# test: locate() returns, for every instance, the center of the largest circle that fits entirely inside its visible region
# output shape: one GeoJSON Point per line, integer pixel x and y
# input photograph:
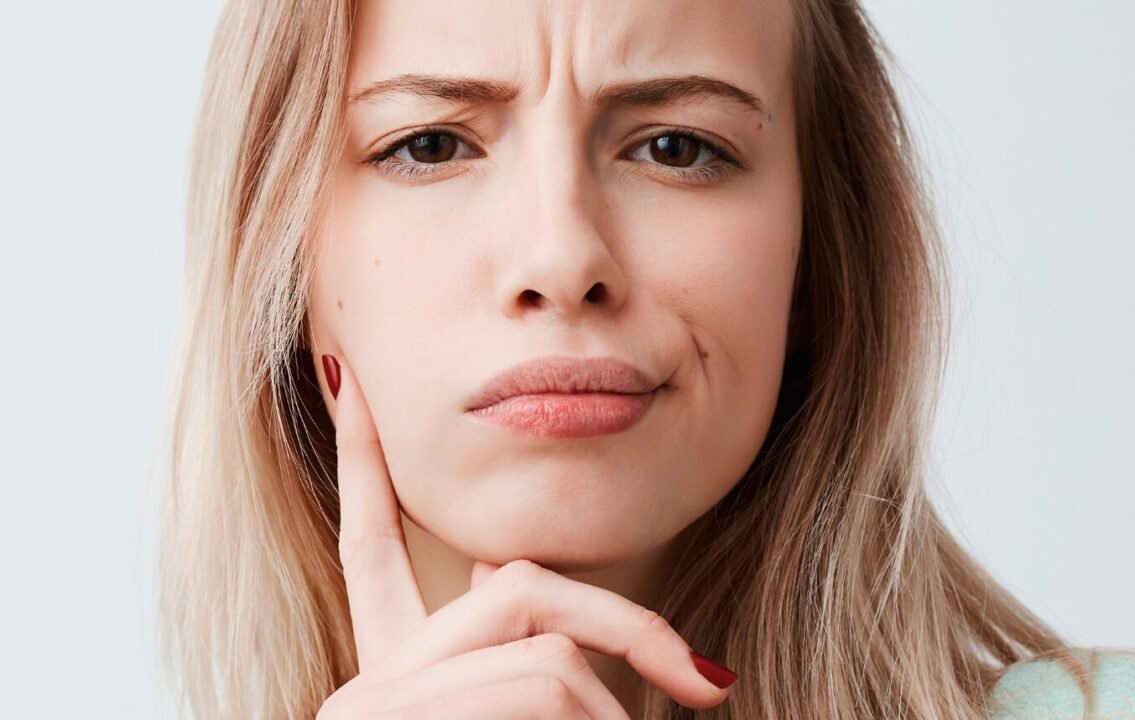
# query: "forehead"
{"type": "Point", "coordinates": [591, 42]}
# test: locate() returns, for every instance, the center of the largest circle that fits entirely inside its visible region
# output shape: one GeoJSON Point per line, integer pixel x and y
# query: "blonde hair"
{"type": "Point", "coordinates": [824, 578]}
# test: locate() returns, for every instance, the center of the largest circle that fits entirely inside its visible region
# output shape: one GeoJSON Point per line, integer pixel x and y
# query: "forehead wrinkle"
{"type": "Point", "coordinates": [684, 55]}
{"type": "Point", "coordinates": [591, 43]}
{"type": "Point", "coordinates": [651, 92]}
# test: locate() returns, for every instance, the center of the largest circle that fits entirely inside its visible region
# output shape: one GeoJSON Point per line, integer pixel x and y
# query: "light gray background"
{"type": "Point", "coordinates": [1026, 112]}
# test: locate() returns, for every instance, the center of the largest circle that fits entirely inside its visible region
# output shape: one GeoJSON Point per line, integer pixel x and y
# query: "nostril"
{"type": "Point", "coordinates": [597, 293]}
{"type": "Point", "coordinates": [530, 298]}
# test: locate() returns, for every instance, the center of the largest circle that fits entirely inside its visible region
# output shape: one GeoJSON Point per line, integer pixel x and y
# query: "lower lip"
{"type": "Point", "coordinates": [567, 415]}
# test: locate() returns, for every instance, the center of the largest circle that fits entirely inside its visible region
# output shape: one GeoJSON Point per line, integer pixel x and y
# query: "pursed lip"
{"type": "Point", "coordinates": [563, 374]}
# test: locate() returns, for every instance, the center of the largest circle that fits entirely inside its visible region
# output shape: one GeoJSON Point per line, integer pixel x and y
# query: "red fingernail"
{"type": "Point", "coordinates": [331, 370]}
{"type": "Point", "coordinates": [716, 674]}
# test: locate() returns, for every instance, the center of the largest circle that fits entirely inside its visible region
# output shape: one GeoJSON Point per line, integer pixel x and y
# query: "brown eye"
{"type": "Point", "coordinates": [432, 147]}
{"type": "Point", "coordinates": [674, 150]}
{"type": "Point", "coordinates": [423, 153]}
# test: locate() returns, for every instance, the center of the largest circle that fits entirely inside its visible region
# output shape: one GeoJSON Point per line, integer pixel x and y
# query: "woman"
{"type": "Point", "coordinates": [570, 359]}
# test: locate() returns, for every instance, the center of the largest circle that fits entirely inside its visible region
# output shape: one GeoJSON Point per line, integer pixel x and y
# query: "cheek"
{"type": "Point", "coordinates": [743, 304]}
{"type": "Point", "coordinates": [731, 290]}
{"type": "Point", "coordinates": [381, 260]}
{"type": "Point", "coordinates": [383, 299]}
{"type": "Point", "coordinates": [713, 274]}
{"type": "Point", "coordinates": [732, 285]}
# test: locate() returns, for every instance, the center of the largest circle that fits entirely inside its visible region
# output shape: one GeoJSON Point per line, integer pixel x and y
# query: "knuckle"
{"type": "Point", "coordinates": [358, 547]}
{"type": "Point", "coordinates": [513, 583]}
{"type": "Point", "coordinates": [517, 572]}
{"type": "Point", "coordinates": [551, 692]}
{"type": "Point", "coordinates": [560, 648]}
{"type": "Point", "coordinates": [653, 623]}
{"type": "Point", "coordinates": [348, 440]}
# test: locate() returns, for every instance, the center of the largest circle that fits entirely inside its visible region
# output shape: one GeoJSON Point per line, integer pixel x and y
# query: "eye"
{"type": "Point", "coordinates": [678, 150]}
{"type": "Point", "coordinates": [411, 156]}
{"type": "Point", "coordinates": [424, 152]}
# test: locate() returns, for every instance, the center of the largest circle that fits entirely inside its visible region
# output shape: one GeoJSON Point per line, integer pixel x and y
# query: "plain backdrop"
{"type": "Point", "coordinates": [1025, 112]}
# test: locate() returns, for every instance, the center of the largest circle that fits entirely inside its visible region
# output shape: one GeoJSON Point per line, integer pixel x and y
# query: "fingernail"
{"type": "Point", "coordinates": [716, 674]}
{"type": "Point", "coordinates": [331, 370]}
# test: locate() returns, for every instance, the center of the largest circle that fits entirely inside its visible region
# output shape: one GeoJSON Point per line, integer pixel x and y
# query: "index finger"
{"type": "Point", "coordinates": [382, 590]}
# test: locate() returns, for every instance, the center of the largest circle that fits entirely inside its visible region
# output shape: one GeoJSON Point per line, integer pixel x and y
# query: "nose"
{"type": "Point", "coordinates": [559, 261]}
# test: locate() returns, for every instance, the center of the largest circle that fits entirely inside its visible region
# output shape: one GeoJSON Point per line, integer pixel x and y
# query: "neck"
{"type": "Point", "coordinates": [444, 574]}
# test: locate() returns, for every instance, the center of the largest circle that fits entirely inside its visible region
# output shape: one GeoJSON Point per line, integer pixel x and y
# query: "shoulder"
{"type": "Point", "coordinates": [1049, 689]}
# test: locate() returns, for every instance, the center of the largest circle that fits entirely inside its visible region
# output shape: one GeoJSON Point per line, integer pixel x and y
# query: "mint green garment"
{"type": "Point", "coordinates": [1045, 690]}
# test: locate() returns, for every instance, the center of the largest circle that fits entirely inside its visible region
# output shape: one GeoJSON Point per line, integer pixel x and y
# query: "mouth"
{"type": "Point", "coordinates": [564, 397]}
{"type": "Point", "coordinates": [567, 415]}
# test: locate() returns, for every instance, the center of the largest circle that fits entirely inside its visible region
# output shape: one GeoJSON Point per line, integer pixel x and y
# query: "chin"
{"type": "Point", "coordinates": [558, 538]}
{"type": "Point", "coordinates": [577, 560]}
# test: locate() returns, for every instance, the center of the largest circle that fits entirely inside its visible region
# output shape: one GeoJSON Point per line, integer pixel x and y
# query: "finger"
{"type": "Point", "coordinates": [550, 654]}
{"type": "Point", "coordinates": [382, 590]}
{"type": "Point", "coordinates": [523, 599]}
{"type": "Point", "coordinates": [534, 696]}
{"type": "Point", "coordinates": [482, 570]}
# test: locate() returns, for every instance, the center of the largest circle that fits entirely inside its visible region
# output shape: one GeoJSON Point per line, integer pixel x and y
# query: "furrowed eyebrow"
{"type": "Point", "coordinates": [641, 93]}
{"type": "Point", "coordinates": [453, 89]}
{"type": "Point", "coordinates": [668, 90]}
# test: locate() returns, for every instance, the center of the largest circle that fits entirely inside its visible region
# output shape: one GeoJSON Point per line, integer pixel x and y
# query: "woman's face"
{"type": "Point", "coordinates": [532, 221]}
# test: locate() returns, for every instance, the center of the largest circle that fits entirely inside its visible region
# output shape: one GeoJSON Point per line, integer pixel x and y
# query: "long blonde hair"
{"type": "Point", "coordinates": [825, 577]}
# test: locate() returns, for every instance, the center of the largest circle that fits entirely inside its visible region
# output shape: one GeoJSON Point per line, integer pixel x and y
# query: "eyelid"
{"type": "Point", "coordinates": [717, 148]}
{"type": "Point", "coordinates": [397, 144]}
{"type": "Point", "coordinates": [382, 161]}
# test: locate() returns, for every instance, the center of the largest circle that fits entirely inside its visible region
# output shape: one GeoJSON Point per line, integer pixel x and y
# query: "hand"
{"type": "Point", "coordinates": [509, 648]}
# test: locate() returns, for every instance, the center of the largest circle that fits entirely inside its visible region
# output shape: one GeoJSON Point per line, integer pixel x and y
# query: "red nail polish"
{"type": "Point", "coordinates": [331, 370]}
{"type": "Point", "coordinates": [716, 674]}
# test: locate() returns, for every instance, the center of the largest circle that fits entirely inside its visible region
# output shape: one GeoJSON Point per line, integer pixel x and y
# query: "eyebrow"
{"type": "Point", "coordinates": [640, 93]}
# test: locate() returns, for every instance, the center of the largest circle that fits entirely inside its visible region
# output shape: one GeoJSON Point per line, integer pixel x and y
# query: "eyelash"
{"type": "Point", "coordinates": [703, 175]}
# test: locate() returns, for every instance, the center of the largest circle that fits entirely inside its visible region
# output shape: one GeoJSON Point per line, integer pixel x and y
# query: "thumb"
{"type": "Point", "coordinates": [481, 571]}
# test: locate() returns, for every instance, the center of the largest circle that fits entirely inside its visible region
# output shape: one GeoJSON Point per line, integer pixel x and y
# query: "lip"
{"type": "Point", "coordinates": [565, 397]}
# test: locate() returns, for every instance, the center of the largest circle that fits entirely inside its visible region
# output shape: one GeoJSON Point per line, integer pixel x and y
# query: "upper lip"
{"type": "Point", "coordinates": [563, 375]}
